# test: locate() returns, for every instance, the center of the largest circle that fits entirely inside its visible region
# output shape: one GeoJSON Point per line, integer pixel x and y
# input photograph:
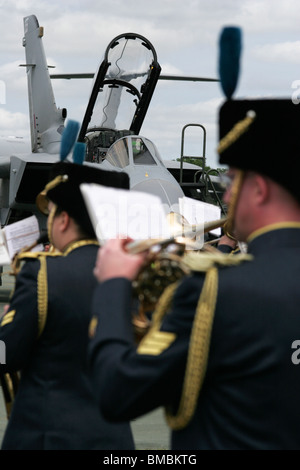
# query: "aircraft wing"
{"type": "Point", "coordinates": [183, 78]}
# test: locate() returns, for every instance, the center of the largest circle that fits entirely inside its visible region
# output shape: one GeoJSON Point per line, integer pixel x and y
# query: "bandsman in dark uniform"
{"type": "Point", "coordinates": [45, 329]}
{"type": "Point", "coordinates": [219, 354]}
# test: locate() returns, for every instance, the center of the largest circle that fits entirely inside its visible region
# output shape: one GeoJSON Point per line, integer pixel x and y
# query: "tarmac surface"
{"type": "Point", "coordinates": [150, 431]}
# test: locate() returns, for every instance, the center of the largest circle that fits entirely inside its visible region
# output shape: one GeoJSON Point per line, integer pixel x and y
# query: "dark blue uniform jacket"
{"type": "Point", "coordinates": [250, 395]}
{"type": "Point", "coordinates": [46, 337]}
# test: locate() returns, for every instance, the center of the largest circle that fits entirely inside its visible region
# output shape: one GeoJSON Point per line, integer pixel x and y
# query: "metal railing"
{"type": "Point", "coordinates": [204, 183]}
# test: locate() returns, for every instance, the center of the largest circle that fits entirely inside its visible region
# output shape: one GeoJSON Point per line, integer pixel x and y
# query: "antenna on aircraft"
{"type": "Point", "coordinates": [229, 59]}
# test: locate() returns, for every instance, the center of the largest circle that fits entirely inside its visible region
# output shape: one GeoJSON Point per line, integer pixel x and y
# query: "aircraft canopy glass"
{"type": "Point", "coordinates": [140, 152]}
{"type": "Point", "coordinates": [130, 62]}
{"type": "Point", "coordinates": [117, 155]}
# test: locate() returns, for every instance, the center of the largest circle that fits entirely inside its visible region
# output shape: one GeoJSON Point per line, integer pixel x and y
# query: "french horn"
{"type": "Point", "coordinates": [165, 266]}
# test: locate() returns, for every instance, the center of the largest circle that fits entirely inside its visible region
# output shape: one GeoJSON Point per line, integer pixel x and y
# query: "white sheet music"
{"type": "Point", "coordinates": [199, 212]}
{"type": "Point", "coordinates": [17, 236]}
{"type": "Point", "coordinates": [118, 212]}
{"type": "Point", "coordinates": [4, 255]}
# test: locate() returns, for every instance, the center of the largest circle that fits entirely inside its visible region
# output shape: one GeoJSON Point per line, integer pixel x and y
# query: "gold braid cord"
{"type": "Point", "coordinates": [42, 295]}
{"type": "Point", "coordinates": [163, 305]}
{"type": "Point", "coordinates": [197, 354]}
{"type": "Point", "coordinates": [235, 192]}
{"type": "Point", "coordinates": [156, 341]}
{"type": "Point", "coordinates": [235, 133]}
{"type": "Point", "coordinates": [50, 222]}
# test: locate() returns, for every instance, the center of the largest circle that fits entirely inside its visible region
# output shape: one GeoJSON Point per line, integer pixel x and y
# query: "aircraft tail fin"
{"type": "Point", "coordinates": [46, 120]}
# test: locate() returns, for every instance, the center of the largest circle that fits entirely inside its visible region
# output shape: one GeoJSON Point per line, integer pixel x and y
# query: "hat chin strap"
{"type": "Point", "coordinates": [50, 222]}
{"type": "Point", "coordinates": [235, 192]}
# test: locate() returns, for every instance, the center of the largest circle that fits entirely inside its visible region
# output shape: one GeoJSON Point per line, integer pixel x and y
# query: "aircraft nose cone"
{"type": "Point", "coordinates": [168, 192]}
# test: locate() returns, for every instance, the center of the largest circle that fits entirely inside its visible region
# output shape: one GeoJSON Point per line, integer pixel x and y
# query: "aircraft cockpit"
{"type": "Point", "coordinates": [121, 93]}
{"type": "Point", "coordinates": [135, 150]}
{"type": "Point", "coordinates": [140, 158]}
{"type": "Point", "coordinates": [120, 97]}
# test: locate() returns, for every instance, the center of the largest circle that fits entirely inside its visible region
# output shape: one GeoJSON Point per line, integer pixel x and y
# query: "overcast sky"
{"type": "Point", "coordinates": [185, 35]}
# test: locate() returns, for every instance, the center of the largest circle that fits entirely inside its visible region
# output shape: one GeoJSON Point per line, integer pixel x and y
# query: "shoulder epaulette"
{"type": "Point", "coordinates": [24, 256]}
{"type": "Point", "coordinates": [42, 283]}
{"type": "Point", "coordinates": [37, 254]}
{"type": "Point", "coordinates": [203, 261]}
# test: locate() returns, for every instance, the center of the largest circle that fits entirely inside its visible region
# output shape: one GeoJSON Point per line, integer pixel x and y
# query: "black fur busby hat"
{"type": "Point", "coordinates": [263, 136]}
{"type": "Point", "coordinates": [64, 188]}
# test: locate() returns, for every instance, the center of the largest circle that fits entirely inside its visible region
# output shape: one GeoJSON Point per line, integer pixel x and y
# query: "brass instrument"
{"type": "Point", "coordinates": [165, 266]}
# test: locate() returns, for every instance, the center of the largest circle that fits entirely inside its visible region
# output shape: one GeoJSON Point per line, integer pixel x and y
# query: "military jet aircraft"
{"type": "Point", "coordinates": [120, 96]}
